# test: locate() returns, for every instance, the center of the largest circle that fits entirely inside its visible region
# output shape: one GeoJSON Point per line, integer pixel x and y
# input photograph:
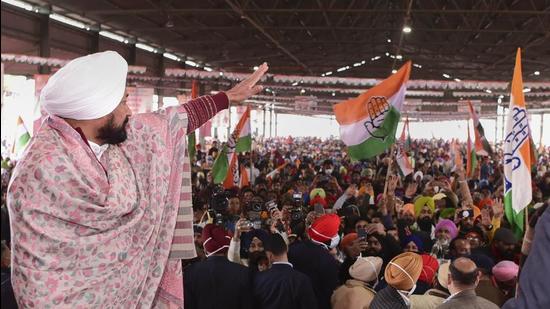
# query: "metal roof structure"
{"type": "Point", "coordinates": [458, 47]}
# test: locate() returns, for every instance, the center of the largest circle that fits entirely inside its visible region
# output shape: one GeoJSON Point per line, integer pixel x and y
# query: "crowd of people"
{"type": "Point", "coordinates": [316, 230]}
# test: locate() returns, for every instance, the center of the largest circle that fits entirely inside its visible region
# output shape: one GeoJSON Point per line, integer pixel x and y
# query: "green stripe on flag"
{"type": "Point", "coordinates": [244, 144]}
{"type": "Point", "coordinates": [22, 142]}
{"type": "Point", "coordinates": [191, 146]}
{"type": "Point", "coordinates": [517, 220]}
{"type": "Point", "coordinates": [220, 167]}
{"type": "Point", "coordinates": [374, 146]}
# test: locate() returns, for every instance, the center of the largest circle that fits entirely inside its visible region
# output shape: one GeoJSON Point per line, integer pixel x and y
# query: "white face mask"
{"type": "Point", "coordinates": [334, 241]}
{"type": "Point", "coordinates": [406, 273]}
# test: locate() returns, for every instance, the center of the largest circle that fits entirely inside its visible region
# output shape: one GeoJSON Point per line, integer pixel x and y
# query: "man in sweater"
{"type": "Point", "coordinates": [282, 286]}
{"type": "Point", "coordinates": [462, 282]}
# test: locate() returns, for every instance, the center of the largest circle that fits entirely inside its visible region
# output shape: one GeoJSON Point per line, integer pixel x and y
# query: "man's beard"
{"type": "Point", "coordinates": [111, 134]}
{"type": "Point", "coordinates": [425, 224]}
{"type": "Point", "coordinates": [254, 257]}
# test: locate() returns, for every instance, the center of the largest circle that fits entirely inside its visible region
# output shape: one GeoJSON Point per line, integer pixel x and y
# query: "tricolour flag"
{"type": "Point", "coordinates": [244, 143]}
{"type": "Point", "coordinates": [226, 167]}
{"type": "Point", "coordinates": [22, 137]}
{"type": "Point", "coordinates": [276, 171]}
{"type": "Point", "coordinates": [368, 122]}
{"type": "Point", "coordinates": [517, 154]}
{"type": "Point", "coordinates": [481, 143]}
{"type": "Point", "coordinates": [403, 162]}
{"type": "Point", "coordinates": [471, 157]}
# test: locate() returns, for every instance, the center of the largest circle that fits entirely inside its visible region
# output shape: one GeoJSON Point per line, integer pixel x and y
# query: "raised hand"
{"type": "Point", "coordinates": [411, 189]}
{"type": "Point", "coordinates": [486, 217]}
{"type": "Point", "coordinates": [247, 87]}
{"type": "Point", "coordinates": [498, 208]}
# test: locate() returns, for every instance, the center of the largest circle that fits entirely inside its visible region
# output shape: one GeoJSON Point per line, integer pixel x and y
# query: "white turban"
{"type": "Point", "coordinates": [88, 87]}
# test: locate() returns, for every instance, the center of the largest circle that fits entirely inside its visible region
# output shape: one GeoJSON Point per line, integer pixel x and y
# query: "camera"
{"type": "Point", "coordinates": [296, 215]}
{"type": "Point", "coordinates": [219, 204]}
{"type": "Point", "coordinates": [255, 206]}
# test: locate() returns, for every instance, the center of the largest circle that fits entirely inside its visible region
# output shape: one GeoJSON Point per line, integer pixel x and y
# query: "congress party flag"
{"type": "Point", "coordinates": [226, 167]}
{"type": "Point", "coordinates": [517, 153]}
{"type": "Point", "coordinates": [368, 123]}
{"type": "Point", "coordinates": [244, 143]}
{"type": "Point", "coordinates": [22, 138]}
{"type": "Point", "coordinates": [481, 143]}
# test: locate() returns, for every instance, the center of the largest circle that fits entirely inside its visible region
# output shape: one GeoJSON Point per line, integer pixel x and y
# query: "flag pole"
{"type": "Point", "coordinates": [388, 173]}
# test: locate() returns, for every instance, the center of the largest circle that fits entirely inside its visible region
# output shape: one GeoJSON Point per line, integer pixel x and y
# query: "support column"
{"type": "Point", "coordinates": [541, 126]}
{"type": "Point", "coordinates": [275, 123]}
{"type": "Point", "coordinates": [132, 55]}
{"type": "Point", "coordinates": [94, 44]}
{"type": "Point", "coordinates": [160, 73]}
{"type": "Point", "coordinates": [270, 121]}
{"type": "Point", "coordinates": [44, 46]}
{"type": "Point", "coordinates": [264, 112]}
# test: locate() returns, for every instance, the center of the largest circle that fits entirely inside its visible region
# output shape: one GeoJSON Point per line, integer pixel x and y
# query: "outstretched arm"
{"type": "Point", "coordinates": [202, 109]}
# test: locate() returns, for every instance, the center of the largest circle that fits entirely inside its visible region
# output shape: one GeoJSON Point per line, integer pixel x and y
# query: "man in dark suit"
{"type": "Point", "coordinates": [216, 282]}
{"type": "Point", "coordinates": [282, 286]}
{"type": "Point", "coordinates": [312, 257]}
{"type": "Point", "coordinates": [463, 279]}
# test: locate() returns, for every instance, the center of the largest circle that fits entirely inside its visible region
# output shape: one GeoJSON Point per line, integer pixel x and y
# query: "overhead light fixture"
{"type": "Point", "coordinates": [113, 36]}
{"type": "Point", "coordinates": [295, 84]}
{"type": "Point", "coordinates": [68, 21]}
{"type": "Point", "coordinates": [526, 89]}
{"type": "Point", "coordinates": [357, 64]}
{"type": "Point", "coordinates": [417, 65]}
{"type": "Point", "coordinates": [393, 71]}
{"type": "Point", "coordinates": [387, 54]}
{"type": "Point", "coordinates": [399, 57]}
{"type": "Point", "coordinates": [342, 69]}
{"type": "Point", "coordinates": [537, 73]}
{"type": "Point", "coordinates": [333, 94]}
{"type": "Point", "coordinates": [457, 80]}
{"type": "Point", "coordinates": [407, 29]}
{"type": "Point", "coordinates": [191, 63]}
{"type": "Point", "coordinates": [19, 4]}
{"type": "Point", "coordinates": [389, 40]}
{"type": "Point", "coordinates": [208, 69]}
{"type": "Point", "coordinates": [146, 47]}
{"type": "Point", "coordinates": [302, 91]}
{"type": "Point", "coordinates": [446, 75]}
{"type": "Point", "coordinates": [323, 75]}
{"type": "Point", "coordinates": [171, 56]}
{"type": "Point", "coordinates": [328, 73]}
{"type": "Point", "coordinates": [375, 58]}
{"type": "Point", "coordinates": [488, 91]}
{"type": "Point", "coordinates": [363, 62]}
{"type": "Point", "coordinates": [221, 73]}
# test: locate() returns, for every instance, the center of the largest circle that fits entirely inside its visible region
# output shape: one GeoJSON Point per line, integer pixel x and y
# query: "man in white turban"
{"type": "Point", "coordinates": [100, 203]}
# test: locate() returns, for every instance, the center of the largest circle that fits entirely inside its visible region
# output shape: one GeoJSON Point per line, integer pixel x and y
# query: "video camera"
{"type": "Point", "coordinates": [219, 205]}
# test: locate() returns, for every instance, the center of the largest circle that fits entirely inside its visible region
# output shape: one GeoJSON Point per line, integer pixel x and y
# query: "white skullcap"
{"type": "Point", "coordinates": [88, 87]}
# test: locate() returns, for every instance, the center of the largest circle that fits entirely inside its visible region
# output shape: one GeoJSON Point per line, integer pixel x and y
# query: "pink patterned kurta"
{"type": "Point", "coordinates": [91, 234]}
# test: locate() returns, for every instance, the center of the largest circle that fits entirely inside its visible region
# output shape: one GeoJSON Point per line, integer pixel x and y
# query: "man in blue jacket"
{"type": "Point", "coordinates": [282, 286]}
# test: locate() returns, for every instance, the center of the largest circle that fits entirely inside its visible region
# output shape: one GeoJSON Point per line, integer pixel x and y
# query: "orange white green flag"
{"type": "Point", "coordinates": [368, 123]}
{"type": "Point", "coordinates": [22, 138]}
{"type": "Point", "coordinates": [517, 153]}
{"type": "Point", "coordinates": [226, 167]}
